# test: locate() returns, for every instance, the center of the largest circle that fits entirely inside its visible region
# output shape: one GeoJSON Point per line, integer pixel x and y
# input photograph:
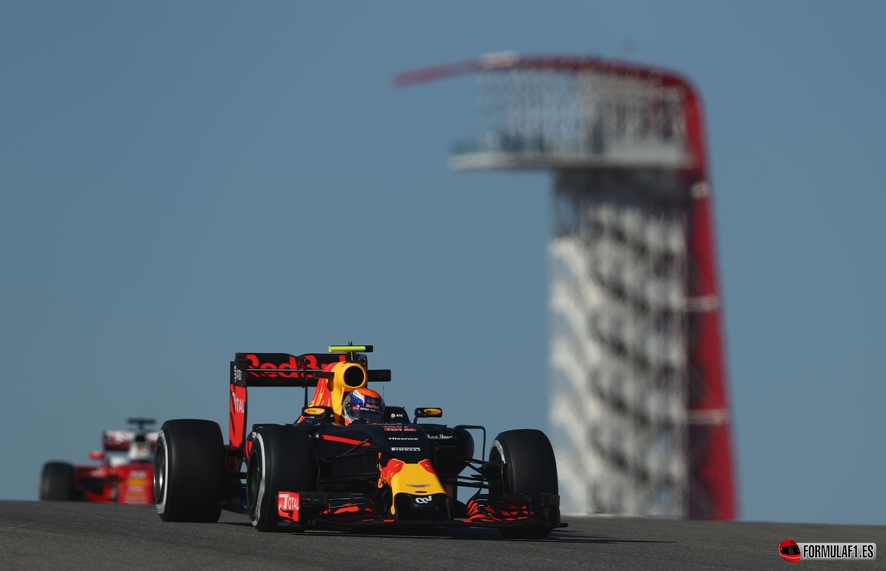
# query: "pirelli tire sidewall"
{"type": "Point", "coordinates": [528, 467]}
{"type": "Point", "coordinates": [281, 459]}
{"type": "Point", "coordinates": [189, 471]}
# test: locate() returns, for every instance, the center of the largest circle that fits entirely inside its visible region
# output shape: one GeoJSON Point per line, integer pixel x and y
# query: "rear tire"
{"type": "Point", "coordinates": [528, 467]}
{"type": "Point", "coordinates": [57, 482]}
{"type": "Point", "coordinates": [282, 459]}
{"type": "Point", "coordinates": [189, 471]}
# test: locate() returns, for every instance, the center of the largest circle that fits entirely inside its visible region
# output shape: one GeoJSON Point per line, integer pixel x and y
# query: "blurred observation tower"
{"type": "Point", "coordinates": [639, 397]}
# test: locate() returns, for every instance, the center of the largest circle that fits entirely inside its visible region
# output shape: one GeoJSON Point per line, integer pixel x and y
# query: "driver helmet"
{"type": "Point", "coordinates": [139, 448]}
{"type": "Point", "coordinates": [363, 405]}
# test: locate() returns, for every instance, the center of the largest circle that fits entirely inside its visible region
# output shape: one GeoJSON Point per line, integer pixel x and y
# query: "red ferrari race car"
{"type": "Point", "coordinates": [125, 475]}
{"type": "Point", "coordinates": [348, 462]}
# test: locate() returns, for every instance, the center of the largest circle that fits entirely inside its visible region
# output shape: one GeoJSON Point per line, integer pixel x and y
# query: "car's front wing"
{"type": "Point", "coordinates": [355, 511]}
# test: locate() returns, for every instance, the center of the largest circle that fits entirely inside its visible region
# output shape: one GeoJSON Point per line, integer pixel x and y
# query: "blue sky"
{"type": "Point", "coordinates": [182, 181]}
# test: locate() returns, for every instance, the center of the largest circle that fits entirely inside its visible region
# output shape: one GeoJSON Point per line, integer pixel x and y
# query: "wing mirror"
{"type": "Point", "coordinates": [427, 413]}
{"type": "Point", "coordinates": [318, 413]}
{"type": "Point", "coordinates": [96, 455]}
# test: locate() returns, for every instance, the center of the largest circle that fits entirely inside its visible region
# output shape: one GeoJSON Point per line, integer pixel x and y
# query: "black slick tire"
{"type": "Point", "coordinates": [528, 467]}
{"type": "Point", "coordinates": [282, 459]}
{"type": "Point", "coordinates": [189, 471]}
{"type": "Point", "coordinates": [57, 482]}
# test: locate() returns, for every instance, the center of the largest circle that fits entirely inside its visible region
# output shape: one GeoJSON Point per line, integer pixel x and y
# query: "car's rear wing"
{"type": "Point", "coordinates": [285, 370]}
{"type": "Point", "coordinates": [342, 369]}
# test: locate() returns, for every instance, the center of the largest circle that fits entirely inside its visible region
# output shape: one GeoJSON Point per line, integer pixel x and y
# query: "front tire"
{"type": "Point", "coordinates": [57, 482]}
{"type": "Point", "coordinates": [528, 467]}
{"type": "Point", "coordinates": [189, 471]}
{"type": "Point", "coordinates": [282, 459]}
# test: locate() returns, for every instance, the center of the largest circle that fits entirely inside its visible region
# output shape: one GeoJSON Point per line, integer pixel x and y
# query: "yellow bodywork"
{"type": "Point", "coordinates": [413, 479]}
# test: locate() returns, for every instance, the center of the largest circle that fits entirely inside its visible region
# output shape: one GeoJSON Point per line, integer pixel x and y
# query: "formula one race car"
{"type": "Point", "coordinates": [331, 470]}
{"type": "Point", "coordinates": [125, 475]}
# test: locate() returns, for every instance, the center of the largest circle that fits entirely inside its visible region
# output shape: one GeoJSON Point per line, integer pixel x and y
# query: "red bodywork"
{"type": "Point", "coordinates": [126, 484]}
{"type": "Point", "coordinates": [120, 478]}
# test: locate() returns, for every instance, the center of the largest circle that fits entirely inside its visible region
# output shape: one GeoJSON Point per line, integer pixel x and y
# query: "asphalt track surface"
{"type": "Point", "coordinates": [65, 535]}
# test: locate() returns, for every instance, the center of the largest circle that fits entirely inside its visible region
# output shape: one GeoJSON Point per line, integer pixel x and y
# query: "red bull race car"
{"type": "Point", "coordinates": [125, 475]}
{"type": "Point", "coordinates": [348, 462]}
